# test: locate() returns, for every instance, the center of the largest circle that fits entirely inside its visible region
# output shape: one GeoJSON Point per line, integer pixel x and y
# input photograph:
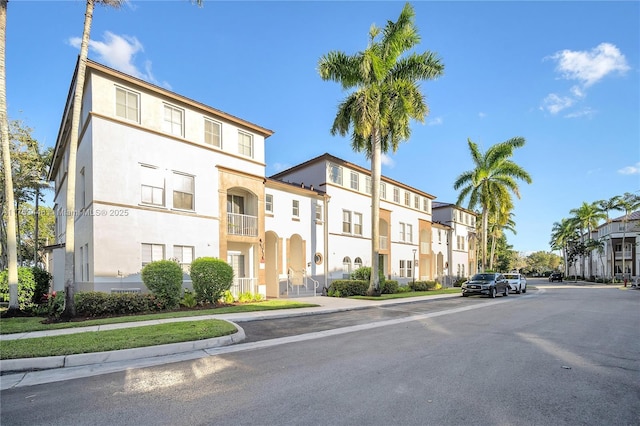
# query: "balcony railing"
{"type": "Point", "coordinates": [627, 254]}
{"type": "Point", "coordinates": [384, 242]}
{"type": "Point", "coordinates": [242, 224]}
{"type": "Point", "coordinates": [244, 285]}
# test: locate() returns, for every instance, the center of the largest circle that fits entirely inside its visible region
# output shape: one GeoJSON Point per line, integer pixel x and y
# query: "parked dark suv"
{"type": "Point", "coordinates": [555, 276]}
{"type": "Point", "coordinates": [489, 283]}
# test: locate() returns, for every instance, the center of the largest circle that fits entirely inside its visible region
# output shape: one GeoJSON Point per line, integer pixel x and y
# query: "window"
{"type": "Point", "coordinates": [396, 195]}
{"type": "Point", "coordinates": [407, 198]}
{"type": "Point", "coordinates": [83, 190]}
{"type": "Point", "coordinates": [357, 263]}
{"type": "Point", "coordinates": [416, 202]}
{"type": "Point", "coordinates": [173, 120]}
{"type": "Point", "coordinates": [319, 212]}
{"type": "Point", "coordinates": [346, 221]}
{"type": "Point", "coordinates": [151, 186]}
{"type": "Point", "coordinates": [409, 268]}
{"type": "Point", "coordinates": [425, 204]}
{"type": "Point", "coordinates": [184, 256]}
{"type": "Point", "coordinates": [212, 133]}
{"type": "Point", "coordinates": [295, 208]}
{"type": "Point", "coordinates": [402, 231]}
{"type": "Point", "coordinates": [182, 191]}
{"type": "Point", "coordinates": [355, 183]}
{"type": "Point", "coordinates": [235, 204]}
{"type": "Point", "coordinates": [84, 263]}
{"type": "Point", "coordinates": [335, 174]}
{"type": "Point", "coordinates": [357, 223]}
{"type": "Point", "coordinates": [409, 233]}
{"type": "Point", "coordinates": [245, 144]}
{"type": "Point", "coordinates": [268, 203]}
{"type": "Point", "coordinates": [152, 252]}
{"type": "Point", "coordinates": [383, 190]}
{"type": "Point", "coordinates": [127, 104]}
{"type": "Point", "coordinates": [367, 184]}
{"type": "Point", "coordinates": [346, 267]}
{"type": "Point", "coordinates": [403, 270]}
{"type": "Point", "coordinates": [439, 236]}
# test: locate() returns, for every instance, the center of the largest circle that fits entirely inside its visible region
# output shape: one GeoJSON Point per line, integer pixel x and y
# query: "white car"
{"type": "Point", "coordinates": [517, 282]}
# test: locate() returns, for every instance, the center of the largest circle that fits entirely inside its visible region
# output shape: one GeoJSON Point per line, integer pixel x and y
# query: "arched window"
{"type": "Point", "coordinates": [357, 263]}
{"type": "Point", "coordinates": [346, 267]}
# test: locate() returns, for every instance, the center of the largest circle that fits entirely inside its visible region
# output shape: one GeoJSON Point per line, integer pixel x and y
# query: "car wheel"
{"type": "Point", "coordinates": [524, 290]}
{"type": "Point", "coordinates": [506, 291]}
{"type": "Point", "coordinates": [519, 290]}
{"type": "Point", "coordinates": [492, 293]}
{"type": "Point", "coordinates": [464, 294]}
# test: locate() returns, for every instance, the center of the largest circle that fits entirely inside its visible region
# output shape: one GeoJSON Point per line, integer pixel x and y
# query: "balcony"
{"type": "Point", "coordinates": [384, 242]}
{"type": "Point", "coordinates": [242, 224]}
{"type": "Point", "coordinates": [627, 255]}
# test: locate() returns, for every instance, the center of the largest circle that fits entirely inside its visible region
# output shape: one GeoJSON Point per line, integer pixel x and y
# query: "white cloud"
{"type": "Point", "coordinates": [435, 121]}
{"type": "Point", "coordinates": [387, 161]}
{"type": "Point", "coordinates": [589, 67]}
{"type": "Point", "coordinates": [585, 112]}
{"type": "Point", "coordinates": [586, 67]}
{"type": "Point", "coordinates": [630, 170]}
{"type": "Point", "coordinates": [119, 52]}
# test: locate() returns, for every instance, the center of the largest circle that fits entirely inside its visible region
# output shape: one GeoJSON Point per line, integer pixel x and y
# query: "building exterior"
{"type": "Point", "coordinates": [161, 176]}
{"type": "Point", "coordinates": [461, 238]}
{"type": "Point", "coordinates": [619, 249]}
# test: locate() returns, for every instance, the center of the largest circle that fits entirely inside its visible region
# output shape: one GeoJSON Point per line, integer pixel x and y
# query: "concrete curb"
{"type": "Point", "coordinates": [44, 363]}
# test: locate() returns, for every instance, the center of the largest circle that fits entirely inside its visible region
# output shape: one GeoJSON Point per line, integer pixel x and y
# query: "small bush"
{"type": "Point", "coordinates": [189, 300]}
{"type": "Point", "coordinates": [227, 297]}
{"type": "Point", "coordinates": [55, 304]}
{"type": "Point", "coordinates": [211, 277]}
{"type": "Point", "coordinates": [404, 289]}
{"type": "Point", "coordinates": [389, 287]}
{"type": "Point", "coordinates": [98, 304]}
{"type": "Point", "coordinates": [346, 288]}
{"type": "Point", "coordinates": [164, 279]}
{"type": "Point", "coordinates": [459, 282]}
{"type": "Point", "coordinates": [364, 273]}
{"type": "Point", "coordinates": [26, 287]}
{"type": "Point", "coordinates": [43, 283]}
{"type": "Point", "coordinates": [249, 297]}
{"type": "Point", "coordinates": [425, 285]}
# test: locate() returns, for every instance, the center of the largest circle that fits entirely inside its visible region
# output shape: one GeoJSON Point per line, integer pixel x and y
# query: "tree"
{"type": "Point", "coordinates": [563, 235]}
{"type": "Point", "coordinates": [12, 251]}
{"type": "Point", "coordinates": [385, 96]}
{"type": "Point", "coordinates": [492, 181]}
{"type": "Point", "coordinates": [69, 256]}
{"type": "Point", "coordinates": [587, 216]}
{"type": "Point", "coordinates": [499, 222]}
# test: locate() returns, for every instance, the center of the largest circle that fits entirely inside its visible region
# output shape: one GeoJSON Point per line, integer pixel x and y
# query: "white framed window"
{"type": "Point", "coordinates": [416, 202]}
{"type": "Point", "coordinates": [346, 221]}
{"type": "Point", "coordinates": [425, 204]}
{"type": "Point", "coordinates": [184, 256]}
{"type": "Point", "coordinates": [403, 268]}
{"type": "Point", "coordinates": [396, 195]}
{"type": "Point", "coordinates": [127, 104]}
{"type": "Point", "coordinates": [335, 174]}
{"type": "Point", "coordinates": [183, 193]}
{"type": "Point", "coordinates": [355, 181]}
{"type": "Point", "coordinates": [357, 223]}
{"type": "Point", "coordinates": [403, 231]}
{"type": "Point", "coordinates": [173, 120]}
{"type": "Point", "coordinates": [409, 233]}
{"type": "Point", "coordinates": [383, 190]}
{"type": "Point", "coordinates": [151, 186]}
{"type": "Point", "coordinates": [319, 212]}
{"type": "Point", "coordinates": [407, 198]}
{"type": "Point", "coordinates": [83, 189]}
{"type": "Point", "coordinates": [84, 263]}
{"type": "Point", "coordinates": [409, 268]}
{"type": "Point", "coordinates": [295, 208]}
{"type": "Point", "coordinates": [367, 185]}
{"type": "Point", "coordinates": [245, 144]}
{"type": "Point", "coordinates": [346, 267]}
{"type": "Point", "coordinates": [151, 253]}
{"type": "Point", "coordinates": [357, 263]}
{"type": "Point", "coordinates": [268, 203]}
{"type": "Point", "coordinates": [212, 133]}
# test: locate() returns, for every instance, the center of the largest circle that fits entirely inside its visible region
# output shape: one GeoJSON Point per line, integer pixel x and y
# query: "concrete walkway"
{"type": "Point", "coordinates": [31, 371]}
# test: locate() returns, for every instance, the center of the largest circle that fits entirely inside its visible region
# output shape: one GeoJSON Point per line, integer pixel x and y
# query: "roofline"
{"type": "Point", "coordinates": [441, 205]}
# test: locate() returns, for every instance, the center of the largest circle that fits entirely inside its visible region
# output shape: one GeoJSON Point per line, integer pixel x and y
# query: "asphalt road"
{"type": "Point", "coordinates": [557, 356]}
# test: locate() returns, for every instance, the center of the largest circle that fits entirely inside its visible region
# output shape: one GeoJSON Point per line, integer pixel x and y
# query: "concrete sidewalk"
{"type": "Point", "coordinates": [29, 371]}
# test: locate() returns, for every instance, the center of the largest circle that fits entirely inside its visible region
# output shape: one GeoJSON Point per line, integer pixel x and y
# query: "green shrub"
{"type": "Point", "coordinates": [211, 277]}
{"type": "Point", "coordinates": [404, 289]}
{"type": "Point", "coordinates": [425, 285]}
{"type": "Point", "coordinates": [55, 304]}
{"type": "Point", "coordinates": [26, 287]}
{"type": "Point", "coordinates": [459, 282]}
{"type": "Point", "coordinates": [43, 283]}
{"type": "Point", "coordinates": [189, 299]}
{"type": "Point", "coordinates": [389, 287]}
{"type": "Point", "coordinates": [364, 273]}
{"type": "Point", "coordinates": [347, 288]}
{"type": "Point", "coordinates": [227, 297]}
{"type": "Point", "coordinates": [98, 304]}
{"type": "Point", "coordinates": [164, 279]}
{"type": "Point", "coordinates": [249, 297]}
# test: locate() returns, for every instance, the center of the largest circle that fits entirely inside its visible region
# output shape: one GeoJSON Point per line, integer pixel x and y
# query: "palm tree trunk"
{"type": "Point", "coordinates": [376, 166]}
{"type": "Point", "coordinates": [69, 255]}
{"type": "Point", "coordinates": [485, 221]}
{"type": "Point", "coordinates": [12, 249]}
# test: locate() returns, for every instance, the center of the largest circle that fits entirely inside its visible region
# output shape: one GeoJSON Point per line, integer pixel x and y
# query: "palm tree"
{"type": "Point", "coordinates": [606, 206]}
{"type": "Point", "coordinates": [69, 258]}
{"type": "Point", "coordinates": [12, 250]}
{"type": "Point", "coordinates": [563, 235]}
{"type": "Point", "coordinates": [498, 223]}
{"type": "Point", "coordinates": [629, 203]}
{"type": "Point", "coordinates": [587, 216]}
{"type": "Point", "coordinates": [492, 181]}
{"type": "Point", "coordinates": [385, 96]}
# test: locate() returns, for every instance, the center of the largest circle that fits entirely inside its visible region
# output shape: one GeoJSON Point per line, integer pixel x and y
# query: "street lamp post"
{"type": "Point", "coordinates": [413, 273]}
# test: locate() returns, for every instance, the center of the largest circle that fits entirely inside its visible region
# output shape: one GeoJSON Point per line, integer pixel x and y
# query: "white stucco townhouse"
{"type": "Point", "coordinates": [461, 239]}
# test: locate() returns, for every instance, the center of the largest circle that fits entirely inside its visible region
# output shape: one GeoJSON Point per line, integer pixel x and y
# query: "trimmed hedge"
{"type": "Point", "coordinates": [425, 285]}
{"type": "Point", "coordinates": [164, 279]}
{"type": "Point", "coordinates": [211, 277]}
{"type": "Point", "coordinates": [26, 287]}
{"type": "Point", "coordinates": [97, 304]}
{"type": "Point", "coordinates": [346, 288]}
{"type": "Point", "coordinates": [389, 287]}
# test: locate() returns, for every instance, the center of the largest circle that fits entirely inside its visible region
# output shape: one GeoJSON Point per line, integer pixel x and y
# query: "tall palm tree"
{"type": "Point", "coordinates": [385, 97]}
{"type": "Point", "coordinates": [69, 258]}
{"type": "Point", "coordinates": [498, 223]}
{"type": "Point", "coordinates": [629, 203]}
{"type": "Point", "coordinates": [588, 216]}
{"type": "Point", "coordinates": [563, 234]}
{"type": "Point", "coordinates": [492, 181]}
{"type": "Point", "coordinates": [12, 246]}
{"type": "Point", "coordinates": [606, 206]}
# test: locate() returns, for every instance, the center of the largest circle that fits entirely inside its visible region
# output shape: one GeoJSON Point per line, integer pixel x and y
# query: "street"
{"type": "Point", "coordinates": [559, 355]}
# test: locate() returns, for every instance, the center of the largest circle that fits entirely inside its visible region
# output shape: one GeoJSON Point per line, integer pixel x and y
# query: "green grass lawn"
{"type": "Point", "coordinates": [409, 294]}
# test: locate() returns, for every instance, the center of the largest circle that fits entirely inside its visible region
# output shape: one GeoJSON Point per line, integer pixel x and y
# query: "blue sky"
{"type": "Point", "coordinates": [563, 75]}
